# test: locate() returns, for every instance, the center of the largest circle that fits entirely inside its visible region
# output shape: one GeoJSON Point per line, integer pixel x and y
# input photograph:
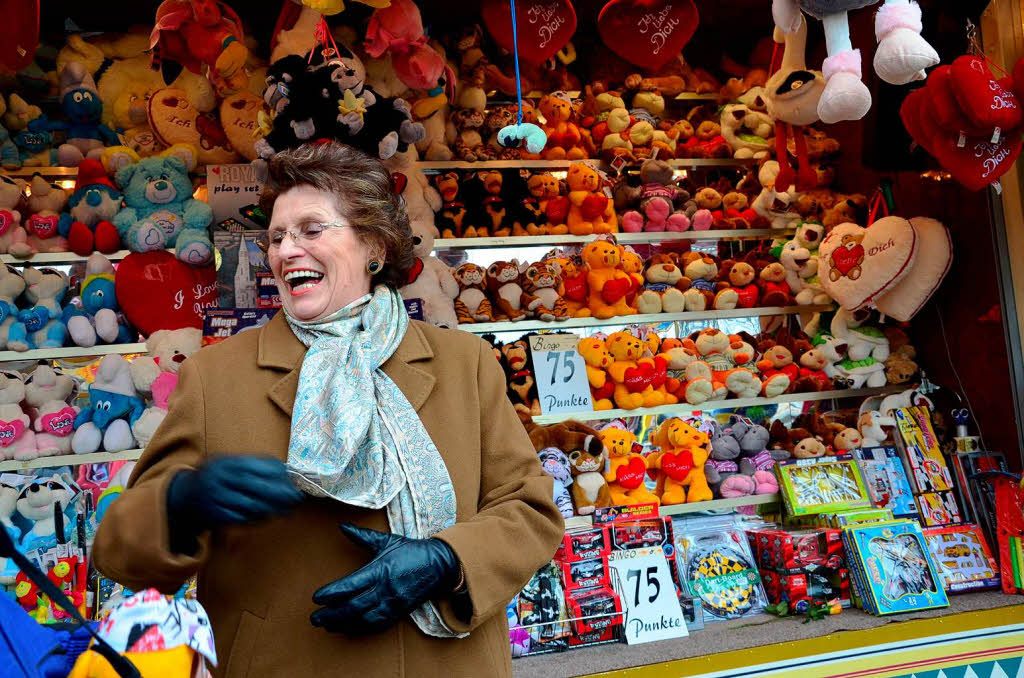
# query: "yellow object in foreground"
{"type": "Point", "coordinates": [174, 663]}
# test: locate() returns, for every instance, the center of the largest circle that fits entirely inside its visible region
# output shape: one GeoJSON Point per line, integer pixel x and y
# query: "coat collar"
{"type": "Point", "coordinates": [280, 350]}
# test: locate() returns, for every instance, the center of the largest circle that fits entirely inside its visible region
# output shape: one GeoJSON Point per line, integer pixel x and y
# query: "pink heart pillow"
{"type": "Point", "coordinates": [857, 265]}
{"type": "Point", "coordinates": [930, 266]}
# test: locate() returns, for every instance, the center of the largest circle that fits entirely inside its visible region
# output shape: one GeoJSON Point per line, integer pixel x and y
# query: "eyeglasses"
{"type": "Point", "coordinates": [301, 235]}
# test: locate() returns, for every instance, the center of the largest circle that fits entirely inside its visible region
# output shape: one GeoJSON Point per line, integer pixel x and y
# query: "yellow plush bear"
{"type": "Point", "coordinates": [626, 469]}
{"type": "Point", "coordinates": [590, 210]}
{"type": "Point", "coordinates": [609, 284]}
{"type": "Point", "coordinates": [598, 359]}
{"type": "Point", "coordinates": [682, 453]}
{"type": "Point", "coordinates": [125, 89]}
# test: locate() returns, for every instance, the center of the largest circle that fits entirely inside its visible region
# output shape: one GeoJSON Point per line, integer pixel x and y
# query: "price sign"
{"type": "Point", "coordinates": [561, 373]}
{"type": "Point", "coordinates": [642, 580]}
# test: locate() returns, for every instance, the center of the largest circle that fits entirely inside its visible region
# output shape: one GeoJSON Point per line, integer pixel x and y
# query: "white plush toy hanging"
{"type": "Point", "coordinates": [902, 55]}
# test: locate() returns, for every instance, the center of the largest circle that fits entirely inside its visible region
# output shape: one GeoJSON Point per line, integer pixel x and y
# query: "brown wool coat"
{"type": "Point", "coordinates": [256, 582]}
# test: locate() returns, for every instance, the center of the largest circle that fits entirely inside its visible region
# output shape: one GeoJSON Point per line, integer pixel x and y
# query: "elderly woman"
{"type": "Point", "coordinates": [395, 431]}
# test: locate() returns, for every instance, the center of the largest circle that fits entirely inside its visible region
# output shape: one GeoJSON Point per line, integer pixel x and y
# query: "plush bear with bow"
{"type": "Point", "coordinates": [114, 405]}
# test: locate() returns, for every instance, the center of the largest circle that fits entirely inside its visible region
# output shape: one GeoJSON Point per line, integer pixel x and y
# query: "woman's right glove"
{"type": "Point", "coordinates": [226, 490]}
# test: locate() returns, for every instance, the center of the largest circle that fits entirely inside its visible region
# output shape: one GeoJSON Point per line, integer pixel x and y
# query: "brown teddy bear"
{"type": "Point", "coordinates": [568, 436]}
{"type": "Point", "coordinates": [701, 287]}
{"type": "Point", "coordinates": [900, 366]}
{"type": "Point", "coordinates": [771, 281]}
{"type": "Point", "coordinates": [741, 276]}
{"type": "Point", "coordinates": [846, 209]}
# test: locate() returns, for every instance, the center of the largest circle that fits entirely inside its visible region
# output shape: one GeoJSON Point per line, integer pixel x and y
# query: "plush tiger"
{"type": "Point", "coordinates": [542, 280]}
{"type": "Point", "coordinates": [472, 304]}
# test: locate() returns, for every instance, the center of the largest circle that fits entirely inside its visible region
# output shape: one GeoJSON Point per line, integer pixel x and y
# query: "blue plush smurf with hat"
{"type": "Point", "coordinates": [81, 103]}
{"type": "Point", "coordinates": [88, 223]}
{"type": "Point", "coordinates": [114, 405]}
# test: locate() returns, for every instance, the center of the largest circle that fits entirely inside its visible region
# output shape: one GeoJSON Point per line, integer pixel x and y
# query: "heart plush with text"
{"type": "Point", "coordinates": [977, 164]}
{"type": "Point", "coordinates": [944, 106]}
{"type": "Point", "coordinates": [932, 263]}
{"type": "Point", "coordinates": [156, 291]}
{"type": "Point", "coordinates": [984, 101]}
{"type": "Point", "coordinates": [631, 476]}
{"type": "Point", "coordinates": [648, 33]}
{"type": "Point", "coordinates": [677, 465]}
{"type": "Point", "coordinates": [638, 378]}
{"type": "Point", "coordinates": [542, 27]}
{"type": "Point", "coordinates": [911, 112]}
{"type": "Point", "coordinates": [857, 265]}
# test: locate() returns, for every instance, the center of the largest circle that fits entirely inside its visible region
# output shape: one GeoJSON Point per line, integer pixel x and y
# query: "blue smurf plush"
{"type": "Point", "coordinates": [160, 212]}
{"type": "Point", "coordinates": [98, 319]}
{"type": "Point", "coordinates": [114, 405]}
{"type": "Point", "coordinates": [80, 101]}
{"type": "Point", "coordinates": [40, 325]}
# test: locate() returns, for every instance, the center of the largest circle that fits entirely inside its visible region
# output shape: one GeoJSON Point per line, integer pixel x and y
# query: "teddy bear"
{"type": "Point", "coordinates": [431, 281]}
{"type": "Point", "coordinates": [658, 199]}
{"type": "Point", "coordinates": [661, 293]}
{"type": "Point", "coordinates": [114, 405]}
{"type": "Point", "coordinates": [92, 206]}
{"type": "Point", "coordinates": [594, 351]}
{"type": "Point", "coordinates": [741, 127]}
{"type": "Point", "coordinates": [420, 197]}
{"type": "Point", "coordinates": [627, 468]}
{"type": "Point", "coordinates": [689, 378]}
{"type": "Point", "coordinates": [771, 283]}
{"type": "Point", "coordinates": [679, 461]}
{"type": "Point", "coordinates": [532, 216]}
{"type": "Point", "coordinates": [755, 461]}
{"type": "Point", "coordinates": [160, 212]}
{"type": "Point", "coordinates": [542, 280]}
{"type": "Point", "coordinates": [45, 204]}
{"type": "Point", "coordinates": [900, 367]}
{"type": "Point", "coordinates": [47, 392]}
{"type": "Point", "coordinates": [795, 442]}
{"type": "Point", "coordinates": [565, 141]}
{"type": "Point", "coordinates": [590, 210]}
{"type": "Point", "coordinates": [84, 132]}
{"type": "Point", "coordinates": [778, 369]}
{"type": "Point", "coordinates": [17, 439]}
{"type": "Point", "coordinates": [12, 285]}
{"type": "Point", "coordinates": [799, 257]}
{"type": "Point", "coordinates": [617, 141]}
{"type": "Point", "coordinates": [811, 361]}
{"type": "Point", "coordinates": [155, 375]}
{"type": "Point", "coordinates": [589, 490]}
{"type": "Point", "coordinates": [126, 87]}
{"type": "Point", "coordinates": [99, 318]}
{"type": "Point", "coordinates": [40, 325]}
{"type": "Point", "coordinates": [847, 209]}
{"type": "Point", "coordinates": [13, 238]}
{"type": "Point", "coordinates": [731, 360]}
{"type": "Point", "coordinates": [701, 288]}
{"type": "Point", "coordinates": [608, 284]}
{"type": "Point", "coordinates": [466, 124]}
{"type": "Point", "coordinates": [639, 379]}
{"type": "Point", "coordinates": [742, 279]}
{"type": "Point", "coordinates": [10, 159]}
{"type": "Point", "coordinates": [507, 296]}
{"type": "Point", "coordinates": [472, 304]}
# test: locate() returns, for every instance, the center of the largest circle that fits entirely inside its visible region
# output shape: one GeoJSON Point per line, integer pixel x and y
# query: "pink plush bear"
{"type": "Point", "coordinates": [17, 440]}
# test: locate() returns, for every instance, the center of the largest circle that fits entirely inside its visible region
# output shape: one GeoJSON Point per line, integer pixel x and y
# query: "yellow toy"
{"type": "Point", "coordinates": [683, 451]}
{"type": "Point", "coordinates": [590, 210]}
{"type": "Point", "coordinates": [565, 141]}
{"type": "Point", "coordinates": [632, 373]}
{"type": "Point", "coordinates": [609, 284]}
{"type": "Point", "coordinates": [633, 265]}
{"type": "Point", "coordinates": [156, 664]}
{"type": "Point", "coordinates": [598, 359]}
{"type": "Point", "coordinates": [626, 469]}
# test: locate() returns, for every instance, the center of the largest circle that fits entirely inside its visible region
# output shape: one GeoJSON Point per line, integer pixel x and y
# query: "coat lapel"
{"type": "Point", "coordinates": [280, 350]}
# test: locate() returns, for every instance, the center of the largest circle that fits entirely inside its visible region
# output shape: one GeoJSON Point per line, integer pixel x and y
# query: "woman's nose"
{"type": "Point", "coordinates": [288, 248]}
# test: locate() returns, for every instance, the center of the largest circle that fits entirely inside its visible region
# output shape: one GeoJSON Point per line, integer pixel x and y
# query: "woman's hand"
{"type": "Point", "coordinates": [226, 490]}
{"type": "Point", "coordinates": [404, 574]}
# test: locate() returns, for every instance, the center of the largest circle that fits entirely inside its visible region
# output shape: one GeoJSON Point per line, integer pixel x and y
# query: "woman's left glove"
{"type": "Point", "coordinates": [404, 574]}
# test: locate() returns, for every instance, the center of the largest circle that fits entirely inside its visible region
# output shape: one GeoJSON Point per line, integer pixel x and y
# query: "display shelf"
{"type": "Point", "coordinates": [622, 238]}
{"type": "Point", "coordinates": [58, 258]}
{"type": "Point", "coordinates": [28, 172]}
{"type": "Point", "coordinates": [582, 522]}
{"type": "Point", "coordinates": [524, 325]}
{"type": "Point", "coordinates": [70, 352]}
{"type": "Point", "coordinates": [693, 96]}
{"type": "Point", "coordinates": [685, 408]}
{"type": "Point", "coordinates": [69, 460]}
{"type": "Point", "coordinates": [440, 165]}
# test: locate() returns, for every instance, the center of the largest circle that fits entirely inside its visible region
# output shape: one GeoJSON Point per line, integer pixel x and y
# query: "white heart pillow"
{"type": "Point", "coordinates": [932, 263]}
{"type": "Point", "coordinates": [858, 265]}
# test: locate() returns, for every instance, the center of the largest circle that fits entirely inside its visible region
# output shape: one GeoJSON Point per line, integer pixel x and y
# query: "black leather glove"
{"type": "Point", "coordinates": [404, 574]}
{"type": "Point", "coordinates": [226, 490]}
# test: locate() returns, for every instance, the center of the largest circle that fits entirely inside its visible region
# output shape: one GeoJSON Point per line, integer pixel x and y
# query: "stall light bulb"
{"type": "Point", "coordinates": [66, 183]}
{"type": "Point", "coordinates": [680, 174]}
{"type": "Point", "coordinates": [560, 174]}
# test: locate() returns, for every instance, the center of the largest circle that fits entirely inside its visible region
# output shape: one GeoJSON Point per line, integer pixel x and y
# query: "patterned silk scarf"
{"type": "Point", "coordinates": [355, 436]}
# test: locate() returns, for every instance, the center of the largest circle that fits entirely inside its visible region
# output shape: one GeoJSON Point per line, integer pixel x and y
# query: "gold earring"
{"type": "Point", "coordinates": [373, 266]}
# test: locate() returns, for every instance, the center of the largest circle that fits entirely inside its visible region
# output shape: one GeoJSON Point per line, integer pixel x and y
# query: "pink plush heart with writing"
{"type": "Point", "coordinates": [59, 424]}
{"type": "Point", "coordinates": [156, 291]}
{"type": "Point", "coordinates": [677, 466]}
{"type": "Point", "coordinates": [983, 99]}
{"type": "Point", "coordinates": [932, 263]}
{"type": "Point", "coordinates": [543, 26]}
{"type": "Point", "coordinates": [10, 431]}
{"type": "Point", "coordinates": [631, 476]}
{"type": "Point", "coordinates": [978, 163]}
{"type": "Point", "coordinates": [857, 265]}
{"type": "Point", "coordinates": [648, 33]}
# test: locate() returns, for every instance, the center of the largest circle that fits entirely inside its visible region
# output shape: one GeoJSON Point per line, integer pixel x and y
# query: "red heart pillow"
{"type": "Point", "coordinates": [638, 378]}
{"type": "Point", "coordinates": [156, 291]}
{"type": "Point", "coordinates": [911, 114]}
{"type": "Point", "coordinates": [979, 162]}
{"type": "Point", "coordinates": [631, 476]}
{"type": "Point", "coordinates": [648, 33]}
{"type": "Point", "coordinates": [1018, 79]}
{"type": "Point", "coordinates": [984, 101]}
{"type": "Point", "coordinates": [543, 26]}
{"type": "Point", "coordinates": [942, 103]}
{"type": "Point", "coordinates": [677, 466]}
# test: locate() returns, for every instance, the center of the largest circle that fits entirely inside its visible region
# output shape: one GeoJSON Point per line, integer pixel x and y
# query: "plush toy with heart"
{"type": "Point", "coordinates": [543, 27]}
{"type": "Point", "coordinates": [17, 440]}
{"type": "Point", "coordinates": [239, 116]}
{"type": "Point", "coordinates": [47, 392]}
{"type": "Point", "coordinates": [175, 120]}
{"type": "Point", "coordinates": [941, 101]}
{"type": "Point", "coordinates": [984, 100]}
{"type": "Point", "coordinates": [626, 467]}
{"type": "Point", "coordinates": [975, 162]}
{"type": "Point", "coordinates": [157, 291]}
{"type": "Point", "coordinates": [929, 268]}
{"type": "Point", "coordinates": [648, 33]}
{"type": "Point", "coordinates": [858, 265]}
{"type": "Point", "coordinates": [682, 453]}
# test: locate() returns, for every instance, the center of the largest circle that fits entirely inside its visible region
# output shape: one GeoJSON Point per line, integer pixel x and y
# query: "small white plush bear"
{"type": "Point", "coordinates": [156, 375]}
{"type": "Point", "coordinates": [36, 502]}
{"type": "Point", "coordinates": [431, 281]}
{"type": "Point", "coordinates": [17, 440]}
{"type": "Point", "coordinates": [11, 287]}
{"type": "Point", "coordinates": [13, 238]}
{"type": "Point", "coordinates": [47, 392]}
{"type": "Point", "coordinates": [45, 204]}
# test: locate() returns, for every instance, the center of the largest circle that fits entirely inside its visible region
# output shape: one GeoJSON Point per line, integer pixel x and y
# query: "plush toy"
{"type": "Point", "coordinates": [589, 490]}
{"type": "Point", "coordinates": [194, 34]}
{"type": "Point", "coordinates": [114, 405]}
{"type": "Point", "coordinates": [742, 277]}
{"type": "Point", "coordinates": [594, 351]}
{"type": "Point", "coordinates": [834, 351]}
{"type": "Point", "coordinates": [80, 101]}
{"type": "Point", "coordinates": [13, 238]}
{"type": "Point", "coordinates": [47, 392]}
{"type": "Point", "coordinates": [811, 361]}
{"type": "Point", "coordinates": [556, 464]}
{"type": "Point", "coordinates": [37, 503]}
{"type": "Point", "coordinates": [626, 468]}
{"type": "Point", "coordinates": [522, 386]}
{"type": "Point", "coordinates": [126, 87]}
{"type": "Point", "coordinates": [800, 259]}
{"type": "Point", "coordinates": [661, 291]}
{"type": "Point", "coordinates": [472, 304]}
{"type": "Point", "coordinates": [95, 202]}
{"type": "Point", "coordinates": [902, 55]}
{"type": "Point", "coordinates": [554, 443]}
{"type": "Point", "coordinates": [590, 210]}
{"type": "Point", "coordinates": [12, 285]}
{"type": "Point", "coordinates": [900, 367]}
{"type": "Point", "coordinates": [431, 281]}
{"type": "Point", "coordinates": [771, 282]}
{"type": "Point", "coordinates": [484, 190]}
{"type": "Point", "coordinates": [701, 288]}
{"type": "Point", "coordinates": [871, 426]}
{"type": "Point", "coordinates": [506, 294]}
{"type": "Point", "coordinates": [575, 288]}
{"type": "Point", "coordinates": [40, 326]}
{"type": "Point", "coordinates": [160, 212]}
{"type": "Point", "coordinates": [421, 199]}
{"type": "Point", "coordinates": [639, 379]}
{"type": "Point", "coordinates": [99, 319]}
{"type": "Point", "coordinates": [533, 216]}
{"type": "Point", "coordinates": [608, 284]}
{"type": "Point", "coordinates": [778, 369]}
{"type": "Point", "coordinates": [10, 159]}
{"type": "Point", "coordinates": [868, 348]}
{"type": "Point", "coordinates": [34, 146]}
{"type": "Point", "coordinates": [17, 439]}
{"type": "Point", "coordinates": [542, 280]}
{"type": "Point", "coordinates": [748, 131]}
{"type": "Point", "coordinates": [682, 453]}
{"type": "Point", "coordinates": [155, 375]}
{"type": "Point", "coordinates": [565, 142]}
{"type": "Point", "coordinates": [659, 197]}
{"type": "Point", "coordinates": [45, 205]}
{"type": "Point", "coordinates": [794, 442]}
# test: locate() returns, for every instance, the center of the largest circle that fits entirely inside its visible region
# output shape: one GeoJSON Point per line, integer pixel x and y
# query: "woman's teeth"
{"type": "Point", "coordinates": [304, 279]}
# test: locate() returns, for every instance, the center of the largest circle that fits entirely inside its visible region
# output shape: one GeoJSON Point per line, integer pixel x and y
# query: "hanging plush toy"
{"type": "Point", "coordinates": [521, 135]}
{"type": "Point", "coordinates": [902, 55]}
{"type": "Point", "coordinates": [195, 33]}
{"type": "Point", "coordinates": [397, 29]}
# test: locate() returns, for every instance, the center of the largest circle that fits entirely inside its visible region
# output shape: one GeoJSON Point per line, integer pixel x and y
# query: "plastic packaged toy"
{"type": "Point", "coordinates": [821, 485]}
{"type": "Point", "coordinates": [964, 560]}
{"type": "Point", "coordinates": [886, 480]}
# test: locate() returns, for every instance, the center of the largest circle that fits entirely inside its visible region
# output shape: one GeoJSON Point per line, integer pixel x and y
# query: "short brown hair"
{"type": "Point", "coordinates": [365, 195]}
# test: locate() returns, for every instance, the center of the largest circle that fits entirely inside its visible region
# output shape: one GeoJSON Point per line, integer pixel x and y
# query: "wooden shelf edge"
{"type": "Point", "coordinates": [442, 244]}
{"type": "Point", "coordinates": [583, 522]}
{"type": "Point", "coordinates": [69, 460]}
{"type": "Point", "coordinates": [71, 352]}
{"type": "Point", "coordinates": [439, 165]}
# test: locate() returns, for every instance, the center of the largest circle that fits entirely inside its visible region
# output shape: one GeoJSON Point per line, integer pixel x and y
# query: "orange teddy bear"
{"type": "Point", "coordinates": [595, 354]}
{"type": "Point", "coordinates": [639, 379]}
{"type": "Point", "coordinates": [626, 468]}
{"type": "Point", "coordinates": [590, 210]}
{"type": "Point", "coordinates": [609, 284]}
{"type": "Point", "coordinates": [679, 461]}
{"type": "Point", "coordinates": [565, 141]}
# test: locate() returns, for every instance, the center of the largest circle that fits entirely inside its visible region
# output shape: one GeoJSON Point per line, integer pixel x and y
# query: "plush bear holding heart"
{"type": "Point", "coordinates": [858, 265]}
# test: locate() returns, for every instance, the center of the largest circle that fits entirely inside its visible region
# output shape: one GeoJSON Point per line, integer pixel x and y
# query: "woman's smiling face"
{"type": "Point", "coordinates": [320, 276]}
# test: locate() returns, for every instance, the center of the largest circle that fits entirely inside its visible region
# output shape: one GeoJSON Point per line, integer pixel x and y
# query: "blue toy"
{"type": "Point", "coordinates": [9, 156]}
{"type": "Point", "coordinates": [41, 325]}
{"type": "Point", "coordinates": [35, 149]}
{"type": "Point", "coordinates": [99, 318]}
{"type": "Point", "coordinates": [114, 405]}
{"type": "Point", "coordinates": [91, 208]}
{"type": "Point", "coordinates": [161, 213]}
{"type": "Point", "coordinates": [80, 101]}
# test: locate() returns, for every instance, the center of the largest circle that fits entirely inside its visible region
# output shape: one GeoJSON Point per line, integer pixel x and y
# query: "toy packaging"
{"type": "Point", "coordinates": [244, 279]}
{"type": "Point", "coordinates": [886, 480]}
{"type": "Point", "coordinates": [893, 568]}
{"type": "Point", "coordinates": [963, 558]}
{"type": "Point", "coordinates": [979, 494]}
{"type": "Point", "coordinates": [857, 516]}
{"type": "Point", "coordinates": [543, 611]}
{"type": "Point", "coordinates": [717, 567]}
{"type": "Point", "coordinates": [821, 485]}
{"type": "Point", "coordinates": [585, 574]}
{"type": "Point", "coordinates": [926, 467]}
{"type": "Point", "coordinates": [221, 323]}
{"type": "Point", "coordinates": [596, 616]}
{"type": "Point", "coordinates": [584, 545]}
{"type": "Point", "coordinates": [938, 508]}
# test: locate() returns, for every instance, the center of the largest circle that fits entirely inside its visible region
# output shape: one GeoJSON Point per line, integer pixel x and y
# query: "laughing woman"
{"type": "Point", "coordinates": [398, 431]}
